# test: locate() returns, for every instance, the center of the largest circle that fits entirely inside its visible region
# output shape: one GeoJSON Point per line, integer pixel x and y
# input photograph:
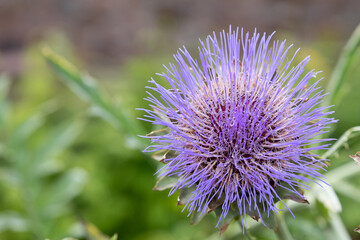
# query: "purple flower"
{"type": "Point", "coordinates": [240, 122]}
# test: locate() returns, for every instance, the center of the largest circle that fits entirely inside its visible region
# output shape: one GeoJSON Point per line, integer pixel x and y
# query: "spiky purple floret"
{"type": "Point", "coordinates": [242, 121]}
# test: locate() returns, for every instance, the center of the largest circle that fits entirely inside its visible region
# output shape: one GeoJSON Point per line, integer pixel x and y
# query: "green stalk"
{"type": "Point", "coordinates": [350, 133]}
{"type": "Point", "coordinates": [282, 232]}
{"type": "Point", "coordinates": [342, 66]}
{"type": "Point", "coordinates": [338, 227]}
{"type": "Point", "coordinates": [344, 171]}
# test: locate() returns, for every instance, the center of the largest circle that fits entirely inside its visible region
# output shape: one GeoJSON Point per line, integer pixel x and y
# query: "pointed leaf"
{"type": "Point", "coordinates": [253, 213]}
{"type": "Point", "coordinates": [31, 124]}
{"type": "Point", "coordinates": [86, 88]}
{"type": "Point", "coordinates": [54, 142]}
{"type": "Point", "coordinates": [25, 129]}
{"type": "Point", "coordinates": [94, 233]}
{"type": "Point", "coordinates": [68, 186]}
{"type": "Point", "coordinates": [114, 237]}
{"type": "Point", "coordinates": [165, 182]}
{"type": "Point", "coordinates": [342, 66]}
{"type": "Point", "coordinates": [225, 221]}
{"type": "Point", "coordinates": [215, 203]}
{"type": "Point", "coordinates": [161, 156]}
{"type": "Point", "coordinates": [185, 195]}
{"type": "Point", "coordinates": [196, 217]}
{"type": "Point", "coordinates": [269, 219]}
{"type": "Point", "coordinates": [287, 194]}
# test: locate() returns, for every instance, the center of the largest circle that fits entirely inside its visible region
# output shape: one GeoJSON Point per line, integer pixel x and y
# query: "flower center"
{"type": "Point", "coordinates": [239, 131]}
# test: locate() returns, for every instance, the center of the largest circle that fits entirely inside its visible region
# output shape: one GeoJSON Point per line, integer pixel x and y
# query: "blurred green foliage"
{"type": "Point", "coordinates": [62, 167]}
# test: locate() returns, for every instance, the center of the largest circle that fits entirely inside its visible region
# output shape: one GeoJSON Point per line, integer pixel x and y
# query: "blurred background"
{"type": "Point", "coordinates": [62, 167]}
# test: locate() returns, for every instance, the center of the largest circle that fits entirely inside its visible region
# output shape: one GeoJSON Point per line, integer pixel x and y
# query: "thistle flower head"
{"type": "Point", "coordinates": [239, 125]}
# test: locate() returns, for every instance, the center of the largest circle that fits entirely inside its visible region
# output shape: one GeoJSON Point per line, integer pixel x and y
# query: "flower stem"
{"type": "Point", "coordinates": [248, 235]}
{"type": "Point", "coordinates": [282, 232]}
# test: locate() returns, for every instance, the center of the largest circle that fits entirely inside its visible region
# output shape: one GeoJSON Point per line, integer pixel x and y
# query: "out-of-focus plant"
{"type": "Point", "coordinates": [326, 205]}
{"type": "Point", "coordinates": [87, 88]}
{"type": "Point", "coordinates": [91, 232]}
{"type": "Point", "coordinates": [35, 183]}
{"type": "Point", "coordinates": [347, 58]}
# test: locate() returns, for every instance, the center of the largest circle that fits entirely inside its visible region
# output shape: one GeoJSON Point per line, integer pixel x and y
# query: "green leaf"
{"type": "Point", "coordinates": [114, 237]}
{"type": "Point", "coordinates": [95, 234]}
{"type": "Point", "coordinates": [340, 231]}
{"type": "Point", "coordinates": [59, 138]}
{"type": "Point", "coordinates": [321, 209]}
{"type": "Point", "coordinates": [225, 221]}
{"type": "Point", "coordinates": [342, 172]}
{"type": "Point", "coordinates": [4, 104]}
{"type": "Point", "coordinates": [13, 221]}
{"type": "Point", "coordinates": [196, 217]}
{"type": "Point", "coordinates": [248, 235]}
{"type": "Point", "coordinates": [280, 228]}
{"type": "Point", "coordinates": [185, 195]}
{"type": "Point", "coordinates": [161, 155]}
{"type": "Point", "coordinates": [216, 202]}
{"type": "Point", "coordinates": [25, 129]}
{"type": "Point", "coordinates": [86, 88]}
{"type": "Point", "coordinates": [68, 186]}
{"type": "Point", "coordinates": [269, 219]}
{"type": "Point", "coordinates": [350, 133]}
{"type": "Point", "coordinates": [284, 193]}
{"type": "Point", "coordinates": [10, 176]}
{"type": "Point", "coordinates": [342, 66]}
{"type": "Point", "coordinates": [253, 213]}
{"type": "Point", "coordinates": [165, 183]}
{"type": "Point", "coordinates": [31, 124]}
{"type": "Point", "coordinates": [348, 189]}
{"type": "Point", "coordinates": [53, 143]}
{"type": "Point", "coordinates": [328, 197]}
